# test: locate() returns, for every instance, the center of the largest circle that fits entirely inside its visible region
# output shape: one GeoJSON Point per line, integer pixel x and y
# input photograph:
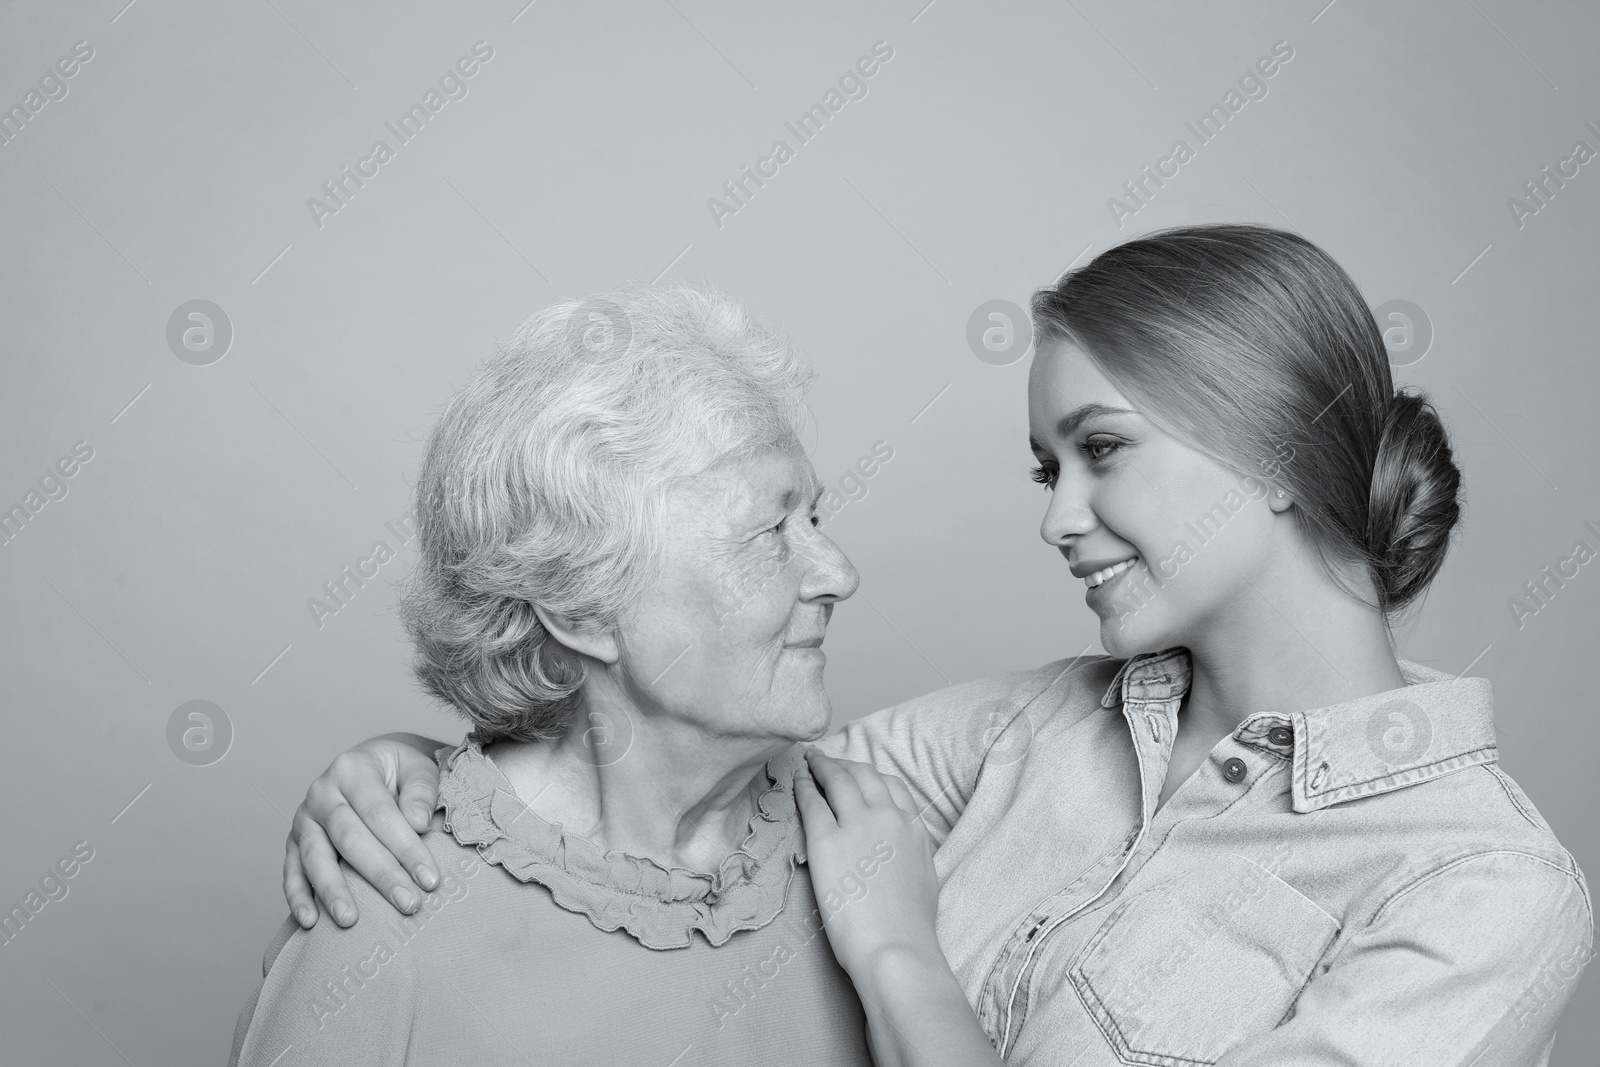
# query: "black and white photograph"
{"type": "Point", "coordinates": [675, 533]}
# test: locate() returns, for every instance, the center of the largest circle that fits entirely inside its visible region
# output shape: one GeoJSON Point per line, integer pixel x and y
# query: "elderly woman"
{"type": "Point", "coordinates": [622, 589]}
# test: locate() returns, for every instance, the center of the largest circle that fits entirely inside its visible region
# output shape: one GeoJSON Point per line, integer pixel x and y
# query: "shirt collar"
{"type": "Point", "coordinates": [1151, 676]}
{"type": "Point", "coordinates": [1436, 725]}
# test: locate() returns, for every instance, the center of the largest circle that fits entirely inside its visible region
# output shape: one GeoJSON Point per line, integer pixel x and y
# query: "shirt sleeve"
{"type": "Point", "coordinates": [330, 995]}
{"type": "Point", "coordinates": [1470, 964]}
{"type": "Point", "coordinates": [937, 743]}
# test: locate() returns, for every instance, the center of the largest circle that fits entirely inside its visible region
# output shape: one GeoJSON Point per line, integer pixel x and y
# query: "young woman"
{"type": "Point", "coordinates": [1250, 835]}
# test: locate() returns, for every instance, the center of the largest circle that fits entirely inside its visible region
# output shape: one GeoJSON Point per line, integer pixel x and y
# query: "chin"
{"type": "Point", "coordinates": [1124, 636]}
{"type": "Point", "coordinates": [816, 734]}
{"type": "Point", "coordinates": [808, 717]}
{"type": "Point", "coordinates": [816, 722]}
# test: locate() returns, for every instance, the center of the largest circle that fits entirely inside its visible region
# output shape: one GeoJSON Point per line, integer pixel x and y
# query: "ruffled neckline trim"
{"type": "Point", "coordinates": [659, 906]}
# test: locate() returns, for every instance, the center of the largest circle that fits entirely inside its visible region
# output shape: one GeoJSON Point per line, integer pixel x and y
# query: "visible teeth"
{"type": "Point", "coordinates": [1100, 577]}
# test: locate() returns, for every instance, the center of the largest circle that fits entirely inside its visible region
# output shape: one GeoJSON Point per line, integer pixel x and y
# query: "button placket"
{"type": "Point", "coordinates": [1006, 974]}
{"type": "Point", "coordinates": [1155, 698]}
{"type": "Point", "coordinates": [1022, 952]}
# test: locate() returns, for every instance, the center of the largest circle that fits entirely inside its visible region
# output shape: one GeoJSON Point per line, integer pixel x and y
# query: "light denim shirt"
{"type": "Point", "coordinates": [1357, 885]}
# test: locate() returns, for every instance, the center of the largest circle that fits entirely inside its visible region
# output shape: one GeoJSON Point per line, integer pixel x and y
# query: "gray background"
{"type": "Point", "coordinates": [220, 498]}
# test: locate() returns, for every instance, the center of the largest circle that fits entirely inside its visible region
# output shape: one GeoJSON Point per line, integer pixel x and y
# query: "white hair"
{"type": "Point", "coordinates": [544, 479]}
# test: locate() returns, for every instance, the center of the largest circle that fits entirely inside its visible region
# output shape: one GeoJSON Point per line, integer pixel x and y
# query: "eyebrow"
{"type": "Point", "coordinates": [1073, 419]}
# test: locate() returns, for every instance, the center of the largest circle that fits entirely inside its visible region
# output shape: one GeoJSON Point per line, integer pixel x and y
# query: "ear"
{"type": "Point", "coordinates": [1278, 500]}
{"type": "Point", "coordinates": [596, 644]}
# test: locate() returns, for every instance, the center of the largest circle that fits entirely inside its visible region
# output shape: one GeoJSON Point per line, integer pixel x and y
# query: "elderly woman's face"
{"type": "Point", "coordinates": [729, 637]}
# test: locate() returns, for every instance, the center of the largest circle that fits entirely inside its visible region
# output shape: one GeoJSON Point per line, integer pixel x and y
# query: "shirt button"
{"type": "Point", "coordinates": [1280, 735]}
{"type": "Point", "coordinates": [1234, 769]}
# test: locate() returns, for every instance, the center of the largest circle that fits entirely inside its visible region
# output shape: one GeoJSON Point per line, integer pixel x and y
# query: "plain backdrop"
{"type": "Point", "coordinates": [979, 165]}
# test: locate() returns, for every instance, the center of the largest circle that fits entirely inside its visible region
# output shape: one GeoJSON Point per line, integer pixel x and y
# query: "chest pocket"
{"type": "Point", "coordinates": [1182, 972]}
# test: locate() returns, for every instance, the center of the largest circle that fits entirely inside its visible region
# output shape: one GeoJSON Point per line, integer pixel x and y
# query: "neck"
{"type": "Point", "coordinates": [1295, 643]}
{"type": "Point", "coordinates": [649, 785]}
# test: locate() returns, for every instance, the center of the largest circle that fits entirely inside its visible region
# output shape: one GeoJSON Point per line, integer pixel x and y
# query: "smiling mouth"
{"type": "Point", "coordinates": [1104, 575]}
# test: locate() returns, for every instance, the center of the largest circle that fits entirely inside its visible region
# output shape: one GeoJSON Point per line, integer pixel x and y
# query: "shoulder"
{"type": "Point", "coordinates": [352, 993]}
{"type": "Point", "coordinates": [1077, 683]}
{"type": "Point", "coordinates": [1525, 907]}
{"type": "Point", "coordinates": [942, 739]}
{"type": "Point", "coordinates": [1479, 809]}
{"type": "Point", "coordinates": [328, 946]}
{"type": "Point", "coordinates": [1493, 854]}
{"type": "Point", "coordinates": [319, 989]}
{"type": "Point", "coordinates": [1063, 684]}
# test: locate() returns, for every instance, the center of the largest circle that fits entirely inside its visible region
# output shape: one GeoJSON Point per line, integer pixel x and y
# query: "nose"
{"type": "Point", "coordinates": [831, 576]}
{"type": "Point", "coordinates": [1068, 514]}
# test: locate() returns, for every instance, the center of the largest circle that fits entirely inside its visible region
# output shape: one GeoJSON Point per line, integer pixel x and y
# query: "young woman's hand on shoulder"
{"type": "Point", "coordinates": [871, 864]}
{"type": "Point", "coordinates": [367, 808]}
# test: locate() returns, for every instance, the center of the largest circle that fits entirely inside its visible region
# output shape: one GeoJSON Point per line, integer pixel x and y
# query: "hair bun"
{"type": "Point", "coordinates": [1413, 503]}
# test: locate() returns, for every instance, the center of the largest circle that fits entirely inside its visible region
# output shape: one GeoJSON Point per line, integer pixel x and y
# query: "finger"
{"type": "Point", "coordinates": [839, 785]}
{"type": "Point", "coordinates": [901, 794]}
{"type": "Point", "coordinates": [815, 815]}
{"type": "Point", "coordinates": [874, 789]}
{"type": "Point", "coordinates": [419, 791]}
{"type": "Point", "coordinates": [296, 890]}
{"type": "Point", "coordinates": [351, 834]}
{"type": "Point", "coordinates": [386, 842]}
{"type": "Point", "coordinates": [321, 865]}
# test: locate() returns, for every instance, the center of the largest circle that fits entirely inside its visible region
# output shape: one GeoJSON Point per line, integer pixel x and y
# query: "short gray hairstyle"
{"type": "Point", "coordinates": [544, 480]}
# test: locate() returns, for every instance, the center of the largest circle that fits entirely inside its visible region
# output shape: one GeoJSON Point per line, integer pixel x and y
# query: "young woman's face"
{"type": "Point", "coordinates": [1169, 542]}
